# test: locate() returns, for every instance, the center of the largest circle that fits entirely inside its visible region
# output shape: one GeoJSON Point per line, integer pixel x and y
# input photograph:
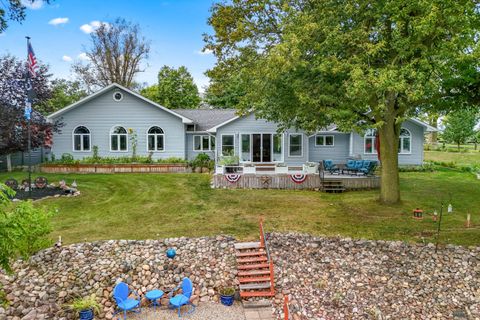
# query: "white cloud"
{"type": "Point", "coordinates": [34, 5]}
{"type": "Point", "coordinates": [58, 21]}
{"type": "Point", "coordinates": [83, 56]}
{"type": "Point", "coordinates": [92, 26]}
{"type": "Point", "coordinates": [204, 52]}
{"type": "Point", "coordinates": [67, 58]}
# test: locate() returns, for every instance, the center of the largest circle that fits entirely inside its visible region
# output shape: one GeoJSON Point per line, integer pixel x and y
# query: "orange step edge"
{"type": "Point", "coordinates": [254, 279]}
{"type": "Point", "coordinates": [253, 266]}
{"type": "Point", "coordinates": [257, 294]}
{"type": "Point", "coordinates": [254, 273]}
{"type": "Point", "coordinates": [251, 260]}
{"type": "Point", "coordinates": [251, 254]}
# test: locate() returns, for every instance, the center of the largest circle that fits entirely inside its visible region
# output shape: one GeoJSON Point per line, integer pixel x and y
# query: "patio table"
{"type": "Point", "coordinates": [153, 296]}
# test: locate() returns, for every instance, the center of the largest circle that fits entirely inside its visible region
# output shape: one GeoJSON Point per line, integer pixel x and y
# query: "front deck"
{"type": "Point", "coordinates": [295, 179]}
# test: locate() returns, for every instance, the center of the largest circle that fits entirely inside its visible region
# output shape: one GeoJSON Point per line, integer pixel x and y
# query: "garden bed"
{"type": "Point", "coordinates": [116, 168]}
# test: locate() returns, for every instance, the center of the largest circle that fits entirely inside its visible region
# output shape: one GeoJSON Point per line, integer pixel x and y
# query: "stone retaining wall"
{"type": "Point", "coordinates": [115, 168]}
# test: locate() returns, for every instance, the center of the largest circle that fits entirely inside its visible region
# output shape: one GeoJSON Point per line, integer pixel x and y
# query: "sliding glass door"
{"type": "Point", "coordinates": [261, 147]}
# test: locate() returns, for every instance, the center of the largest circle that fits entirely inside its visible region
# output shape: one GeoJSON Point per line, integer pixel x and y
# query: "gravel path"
{"type": "Point", "coordinates": [204, 311]}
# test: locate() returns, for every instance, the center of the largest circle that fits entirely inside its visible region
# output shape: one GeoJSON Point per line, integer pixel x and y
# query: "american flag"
{"type": "Point", "coordinates": [32, 61]}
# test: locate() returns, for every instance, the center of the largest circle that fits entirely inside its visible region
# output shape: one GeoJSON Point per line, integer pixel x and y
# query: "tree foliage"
{"type": "Point", "coordinates": [13, 128]}
{"type": "Point", "coordinates": [63, 93]}
{"type": "Point", "coordinates": [175, 89]}
{"type": "Point", "coordinates": [460, 126]}
{"type": "Point", "coordinates": [116, 54]}
{"type": "Point", "coordinates": [13, 10]}
{"type": "Point", "coordinates": [23, 228]}
{"type": "Point", "coordinates": [354, 63]}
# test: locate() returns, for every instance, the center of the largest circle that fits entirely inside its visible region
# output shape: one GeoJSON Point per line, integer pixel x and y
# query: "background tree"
{"type": "Point", "coordinates": [175, 89]}
{"type": "Point", "coordinates": [116, 55]}
{"type": "Point", "coordinates": [460, 126]}
{"type": "Point", "coordinates": [63, 93]}
{"type": "Point", "coordinates": [354, 63]}
{"type": "Point", "coordinates": [13, 10]}
{"type": "Point", "coordinates": [476, 138]}
{"type": "Point", "coordinates": [13, 133]}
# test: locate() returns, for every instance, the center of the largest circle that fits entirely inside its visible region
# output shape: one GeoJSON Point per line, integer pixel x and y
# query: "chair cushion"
{"type": "Point", "coordinates": [366, 164]}
{"type": "Point", "coordinates": [350, 164]}
{"type": "Point", "coordinates": [128, 304]}
{"type": "Point", "coordinates": [358, 164]}
{"type": "Point", "coordinates": [179, 300]}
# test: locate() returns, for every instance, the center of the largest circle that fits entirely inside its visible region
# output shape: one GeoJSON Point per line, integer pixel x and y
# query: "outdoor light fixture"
{"type": "Point", "coordinates": [435, 215]}
{"type": "Point", "coordinates": [450, 208]}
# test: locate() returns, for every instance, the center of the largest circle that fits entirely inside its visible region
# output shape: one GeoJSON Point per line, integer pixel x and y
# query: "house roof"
{"type": "Point", "coordinates": [116, 85]}
{"type": "Point", "coordinates": [427, 127]}
{"type": "Point", "coordinates": [206, 119]}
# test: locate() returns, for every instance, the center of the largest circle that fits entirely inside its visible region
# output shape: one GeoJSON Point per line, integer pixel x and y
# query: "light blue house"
{"type": "Point", "coordinates": [109, 117]}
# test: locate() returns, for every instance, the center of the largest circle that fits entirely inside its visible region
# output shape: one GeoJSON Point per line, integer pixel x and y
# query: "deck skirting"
{"type": "Point", "coordinates": [284, 181]}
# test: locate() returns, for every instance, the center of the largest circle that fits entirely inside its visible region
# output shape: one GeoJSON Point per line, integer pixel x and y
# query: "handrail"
{"type": "Point", "coordinates": [263, 240]}
{"type": "Point", "coordinates": [286, 309]}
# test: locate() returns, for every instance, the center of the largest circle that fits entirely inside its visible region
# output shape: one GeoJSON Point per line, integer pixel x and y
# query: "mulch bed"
{"type": "Point", "coordinates": [39, 193]}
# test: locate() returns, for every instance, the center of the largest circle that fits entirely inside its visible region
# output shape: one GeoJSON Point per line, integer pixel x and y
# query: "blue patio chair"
{"type": "Point", "coordinates": [350, 164]}
{"type": "Point", "coordinates": [121, 295]}
{"type": "Point", "coordinates": [330, 166]}
{"type": "Point", "coordinates": [182, 299]}
{"type": "Point", "coordinates": [369, 168]}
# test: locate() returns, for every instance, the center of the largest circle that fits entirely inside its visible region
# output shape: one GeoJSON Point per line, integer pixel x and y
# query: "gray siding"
{"type": "Point", "coordinates": [414, 158]}
{"type": "Point", "coordinates": [248, 124]}
{"type": "Point", "coordinates": [102, 113]}
{"type": "Point", "coordinates": [191, 154]}
{"type": "Point", "coordinates": [338, 152]}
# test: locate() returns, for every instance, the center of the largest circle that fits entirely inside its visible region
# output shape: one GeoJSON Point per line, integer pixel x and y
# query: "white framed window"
{"type": "Point", "coordinates": [203, 143]}
{"type": "Point", "coordinates": [277, 145]}
{"type": "Point", "coordinates": [118, 139]}
{"type": "Point", "coordinates": [245, 147]}
{"type": "Point", "coordinates": [295, 145]}
{"type": "Point", "coordinates": [155, 139]}
{"type": "Point", "coordinates": [228, 145]}
{"type": "Point", "coordinates": [369, 141]}
{"type": "Point", "coordinates": [405, 142]}
{"type": "Point", "coordinates": [322, 140]}
{"type": "Point", "coordinates": [81, 139]}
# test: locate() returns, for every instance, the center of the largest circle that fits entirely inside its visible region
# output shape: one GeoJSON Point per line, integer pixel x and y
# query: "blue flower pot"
{"type": "Point", "coordinates": [86, 314]}
{"type": "Point", "coordinates": [226, 300]}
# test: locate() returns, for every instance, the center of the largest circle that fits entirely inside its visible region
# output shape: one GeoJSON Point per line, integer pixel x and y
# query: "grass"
{"type": "Point", "coordinates": [146, 206]}
{"type": "Point", "coordinates": [459, 158]}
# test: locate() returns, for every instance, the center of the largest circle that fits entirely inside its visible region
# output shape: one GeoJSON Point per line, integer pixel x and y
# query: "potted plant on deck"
{"type": "Point", "coordinates": [227, 295]}
{"type": "Point", "coordinates": [86, 307]}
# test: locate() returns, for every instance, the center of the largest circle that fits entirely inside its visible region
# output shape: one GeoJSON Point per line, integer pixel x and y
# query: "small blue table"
{"type": "Point", "coordinates": [153, 296]}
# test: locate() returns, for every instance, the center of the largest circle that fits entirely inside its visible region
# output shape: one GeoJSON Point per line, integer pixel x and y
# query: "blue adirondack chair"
{"type": "Point", "coordinates": [368, 167]}
{"type": "Point", "coordinates": [182, 299]}
{"type": "Point", "coordinates": [121, 295]}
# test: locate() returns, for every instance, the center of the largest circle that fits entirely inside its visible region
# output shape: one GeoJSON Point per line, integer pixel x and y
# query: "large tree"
{"type": "Point", "coordinates": [460, 126]}
{"type": "Point", "coordinates": [175, 89]}
{"type": "Point", "coordinates": [357, 63]}
{"type": "Point", "coordinates": [13, 10]}
{"type": "Point", "coordinates": [13, 94]}
{"type": "Point", "coordinates": [63, 93]}
{"type": "Point", "coordinates": [117, 54]}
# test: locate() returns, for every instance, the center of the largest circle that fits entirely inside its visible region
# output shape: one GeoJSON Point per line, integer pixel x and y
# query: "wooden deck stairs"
{"type": "Point", "coordinates": [255, 268]}
{"type": "Point", "coordinates": [333, 185]}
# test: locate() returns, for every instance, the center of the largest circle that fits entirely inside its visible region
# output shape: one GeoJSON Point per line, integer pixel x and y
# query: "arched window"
{"type": "Point", "coordinates": [155, 139]}
{"type": "Point", "coordinates": [81, 139]}
{"type": "Point", "coordinates": [369, 141]}
{"type": "Point", "coordinates": [118, 139]}
{"type": "Point", "coordinates": [404, 143]}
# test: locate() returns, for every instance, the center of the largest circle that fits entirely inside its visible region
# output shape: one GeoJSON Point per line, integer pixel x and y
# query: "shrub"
{"type": "Point", "coordinates": [202, 160]}
{"type": "Point", "coordinates": [23, 228]}
{"type": "Point", "coordinates": [426, 167]}
{"type": "Point", "coordinates": [67, 158]}
{"type": "Point", "coordinates": [85, 303]}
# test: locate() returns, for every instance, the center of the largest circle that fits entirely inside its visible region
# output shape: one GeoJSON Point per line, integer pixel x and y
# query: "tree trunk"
{"type": "Point", "coordinates": [458, 146]}
{"type": "Point", "coordinates": [434, 135]}
{"type": "Point", "coordinates": [9, 162]}
{"type": "Point", "coordinates": [390, 181]}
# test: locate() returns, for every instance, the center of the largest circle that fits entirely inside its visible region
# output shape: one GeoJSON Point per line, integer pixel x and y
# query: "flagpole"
{"type": "Point", "coordinates": [29, 138]}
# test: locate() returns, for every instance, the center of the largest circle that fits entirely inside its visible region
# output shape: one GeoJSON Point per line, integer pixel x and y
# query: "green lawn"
{"type": "Point", "coordinates": [460, 158]}
{"type": "Point", "coordinates": [140, 206]}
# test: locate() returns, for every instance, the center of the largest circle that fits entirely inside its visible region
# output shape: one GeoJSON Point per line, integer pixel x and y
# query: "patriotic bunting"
{"type": "Point", "coordinates": [298, 177]}
{"type": "Point", "coordinates": [232, 177]}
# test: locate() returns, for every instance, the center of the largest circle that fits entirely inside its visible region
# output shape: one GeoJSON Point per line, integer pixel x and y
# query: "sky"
{"type": "Point", "coordinates": [60, 32]}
